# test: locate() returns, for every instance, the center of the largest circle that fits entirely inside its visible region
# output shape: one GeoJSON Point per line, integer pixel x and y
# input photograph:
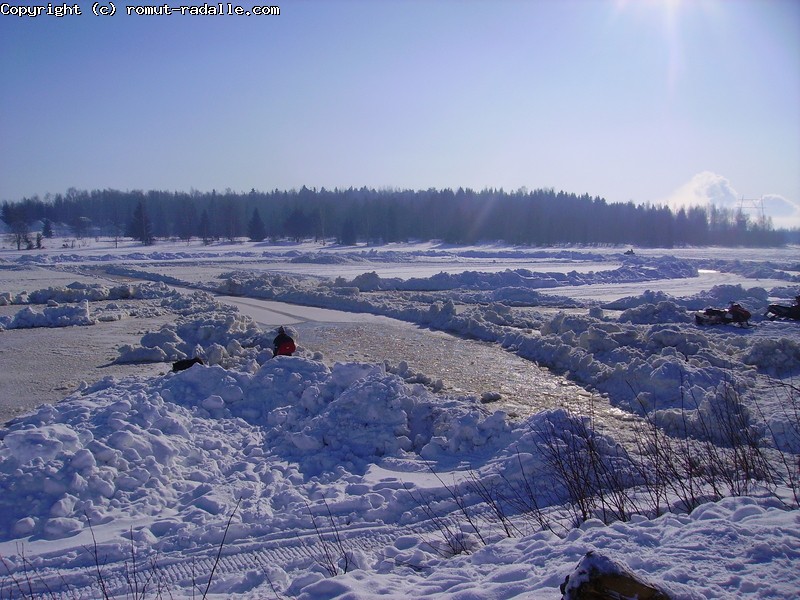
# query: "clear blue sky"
{"type": "Point", "coordinates": [625, 99]}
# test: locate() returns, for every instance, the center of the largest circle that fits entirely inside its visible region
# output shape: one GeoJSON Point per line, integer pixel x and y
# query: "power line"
{"type": "Point", "coordinates": [753, 205]}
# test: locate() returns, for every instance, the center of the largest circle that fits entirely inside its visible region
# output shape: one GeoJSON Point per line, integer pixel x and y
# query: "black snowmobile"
{"type": "Point", "coordinates": [778, 311]}
{"type": "Point", "coordinates": [734, 314]}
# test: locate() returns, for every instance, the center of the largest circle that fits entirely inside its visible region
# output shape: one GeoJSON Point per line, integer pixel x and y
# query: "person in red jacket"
{"type": "Point", "coordinates": [283, 344]}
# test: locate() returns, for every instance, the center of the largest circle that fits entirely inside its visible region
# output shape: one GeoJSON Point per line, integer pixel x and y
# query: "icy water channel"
{"type": "Point", "coordinates": [465, 367]}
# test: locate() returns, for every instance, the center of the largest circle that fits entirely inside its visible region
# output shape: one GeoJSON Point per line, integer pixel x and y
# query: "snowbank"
{"type": "Point", "coordinates": [755, 299]}
{"type": "Point", "coordinates": [70, 305]}
{"type": "Point", "coordinates": [52, 316]}
{"type": "Point", "coordinates": [633, 270]}
{"type": "Point", "coordinates": [207, 329]}
{"type": "Point", "coordinates": [78, 292]}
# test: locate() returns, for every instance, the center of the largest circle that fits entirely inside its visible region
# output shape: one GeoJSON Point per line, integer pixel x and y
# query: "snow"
{"type": "Point", "coordinates": [314, 476]}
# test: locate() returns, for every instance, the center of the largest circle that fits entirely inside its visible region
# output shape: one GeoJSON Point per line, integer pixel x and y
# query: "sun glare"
{"type": "Point", "coordinates": [670, 5]}
{"type": "Point", "coordinates": [669, 9]}
{"type": "Point", "coordinates": [668, 13]}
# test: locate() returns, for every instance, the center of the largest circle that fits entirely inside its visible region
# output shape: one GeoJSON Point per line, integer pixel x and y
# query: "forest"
{"type": "Point", "coordinates": [541, 217]}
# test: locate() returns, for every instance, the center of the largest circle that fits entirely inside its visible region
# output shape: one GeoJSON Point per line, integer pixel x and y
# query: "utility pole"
{"type": "Point", "coordinates": [754, 205]}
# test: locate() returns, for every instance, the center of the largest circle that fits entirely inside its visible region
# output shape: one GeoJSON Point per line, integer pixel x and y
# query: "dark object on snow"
{"type": "Point", "coordinates": [182, 365]}
{"type": "Point", "coordinates": [283, 344]}
{"type": "Point", "coordinates": [735, 313]}
{"type": "Point", "coordinates": [599, 578]}
{"type": "Point", "coordinates": [778, 311]}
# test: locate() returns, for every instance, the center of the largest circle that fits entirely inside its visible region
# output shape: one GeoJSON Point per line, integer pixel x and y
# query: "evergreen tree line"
{"type": "Point", "coordinates": [464, 216]}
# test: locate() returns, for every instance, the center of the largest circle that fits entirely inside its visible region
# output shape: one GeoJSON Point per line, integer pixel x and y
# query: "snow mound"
{"type": "Point", "coordinates": [663, 312]}
{"type": "Point", "coordinates": [153, 447]}
{"type": "Point", "coordinates": [207, 329]}
{"type": "Point", "coordinates": [79, 292]}
{"type": "Point", "coordinates": [52, 316]}
{"type": "Point", "coordinates": [327, 259]}
{"type": "Point", "coordinates": [640, 269]}
{"type": "Point", "coordinates": [778, 357]}
{"type": "Point", "coordinates": [213, 337]}
{"type": "Point", "coordinates": [753, 299]}
{"type": "Point", "coordinates": [648, 297]}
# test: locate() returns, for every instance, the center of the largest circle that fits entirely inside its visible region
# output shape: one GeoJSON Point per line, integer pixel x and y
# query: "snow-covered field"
{"type": "Point", "coordinates": [420, 442]}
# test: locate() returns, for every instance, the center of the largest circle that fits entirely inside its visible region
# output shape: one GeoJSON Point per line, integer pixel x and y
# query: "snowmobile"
{"type": "Point", "coordinates": [735, 313]}
{"type": "Point", "coordinates": [778, 311]}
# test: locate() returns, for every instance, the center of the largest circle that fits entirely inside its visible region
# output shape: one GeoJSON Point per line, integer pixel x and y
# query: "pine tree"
{"type": "Point", "coordinates": [140, 228]}
{"type": "Point", "coordinates": [205, 228]}
{"type": "Point", "coordinates": [296, 224]}
{"type": "Point", "coordinates": [255, 229]}
{"type": "Point", "coordinates": [186, 221]}
{"type": "Point", "coordinates": [349, 236]}
{"type": "Point", "coordinates": [229, 219]}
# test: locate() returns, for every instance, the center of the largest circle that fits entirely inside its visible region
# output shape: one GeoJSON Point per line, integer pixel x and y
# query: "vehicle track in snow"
{"type": "Point", "coordinates": [186, 569]}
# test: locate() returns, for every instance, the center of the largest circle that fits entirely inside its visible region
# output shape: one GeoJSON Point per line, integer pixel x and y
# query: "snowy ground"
{"type": "Point", "coordinates": [383, 460]}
